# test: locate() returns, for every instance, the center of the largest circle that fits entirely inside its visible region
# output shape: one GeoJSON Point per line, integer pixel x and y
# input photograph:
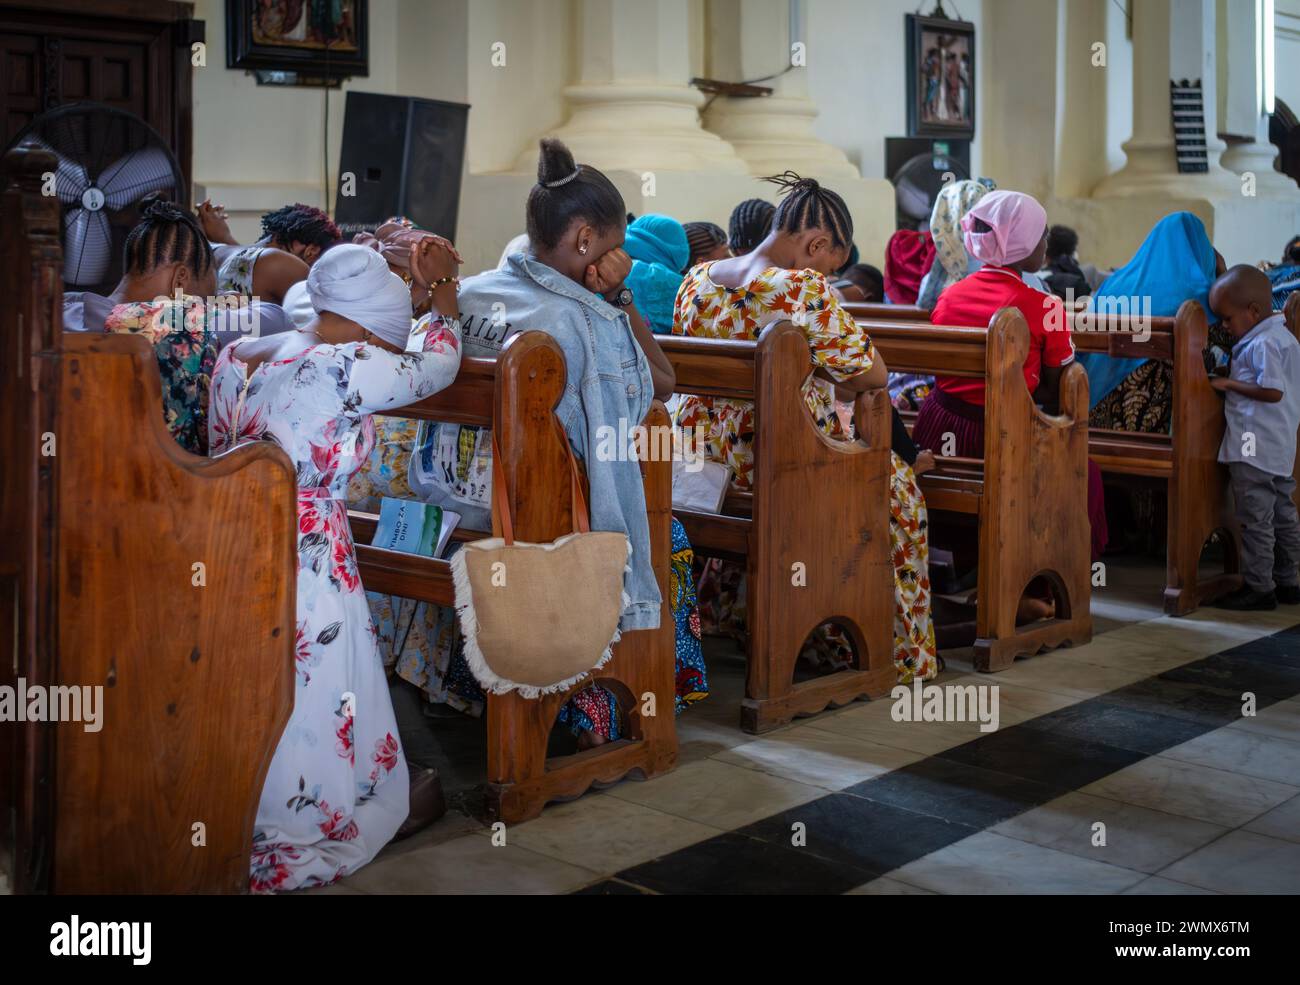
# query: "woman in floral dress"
{"type": "Point", "coordinates": [785, 277]}
{"type": "Point", "coordinates": [186, 348]}
{"type": "Point", "coordinates": [337, 787]}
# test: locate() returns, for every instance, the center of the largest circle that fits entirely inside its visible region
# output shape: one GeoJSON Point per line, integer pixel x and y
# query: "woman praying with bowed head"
{"type": "Point", "coordinates": [293, 238]}
{"type": "Point", "coordinates": [809, 237]}
{"type": "Point", "coordinates": [337, 788]}
{"type": "Point", "coordinates": [573, 283]}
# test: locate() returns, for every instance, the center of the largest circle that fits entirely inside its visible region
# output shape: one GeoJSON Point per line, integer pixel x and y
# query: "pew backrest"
{"type": "Point", "coordinates": [176, 593]}
{"type": "Point", "coordinates": [142, 586]}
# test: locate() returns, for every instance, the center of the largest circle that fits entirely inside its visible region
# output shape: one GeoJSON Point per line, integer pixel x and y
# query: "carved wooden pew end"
{"type": "Point", "coordinates": [133, 567]}
{"type": "Point", "coordinates": [516, 395]}
{"type": "Point", "coordinates": [1029, 490]}
{"type": "Point", "coordinates": [1186, 459]}
{"type": "Point", "coordinates": [812, 506]}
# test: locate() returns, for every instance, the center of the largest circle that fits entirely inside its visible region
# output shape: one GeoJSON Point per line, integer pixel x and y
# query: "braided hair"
{"type": "Point", "coordinates": [805, 204]}
{"type": "Point", "coordinates": [750, 223]}
{"type": "Point", "coordinates": [566, 191]}
{"type": "Point", "coordinates": [702, 238]}
{"type": "Point", "coordinates": [300, 223]}
{"type": "Point", "coordinates": [166, 233]}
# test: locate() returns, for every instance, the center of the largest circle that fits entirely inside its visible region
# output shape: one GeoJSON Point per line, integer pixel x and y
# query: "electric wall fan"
{"type": "Point", "coordinates": [918, 183]}
{"type": "Point", "coordinates": [108, 160]}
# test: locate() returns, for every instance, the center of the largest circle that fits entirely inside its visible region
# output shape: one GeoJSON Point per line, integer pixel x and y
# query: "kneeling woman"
{"type": "Point", "coordinates": [337, 788]}
{"type": "Point", "coordinates": [810, 236]}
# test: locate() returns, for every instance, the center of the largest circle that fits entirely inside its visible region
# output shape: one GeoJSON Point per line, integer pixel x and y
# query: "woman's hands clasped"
{"type": "Point", "coordinates": [434, 259]}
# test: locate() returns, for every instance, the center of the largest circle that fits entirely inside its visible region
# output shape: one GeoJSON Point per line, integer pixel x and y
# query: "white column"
{"type": "Point", "coordinates": [631, 107]}
{"type": "Point", "coordinates": [1169, 35]}
{"type": "Point", "coordinates": [754, 39]}
{"type": "Point", "coordinates": [1246, 37]}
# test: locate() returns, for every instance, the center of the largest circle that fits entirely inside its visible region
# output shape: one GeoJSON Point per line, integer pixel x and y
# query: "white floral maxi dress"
{"type": "Point", "coordinates": [337, 789]}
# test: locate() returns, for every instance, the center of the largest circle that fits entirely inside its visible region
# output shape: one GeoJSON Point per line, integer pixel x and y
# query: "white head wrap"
{"type": "Point", "coordinates": [355, 282]}
{"type": "Point", "coordinates": [297, 305]}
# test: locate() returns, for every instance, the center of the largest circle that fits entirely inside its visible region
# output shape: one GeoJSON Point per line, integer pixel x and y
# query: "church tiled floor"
{"type": "Point", "coordinates": [1123, 766]}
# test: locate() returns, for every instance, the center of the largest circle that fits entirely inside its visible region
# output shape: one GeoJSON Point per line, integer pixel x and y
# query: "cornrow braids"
{"type": "Point", "coordinates": [702, 238]}
{"type": "Point", "coordinates": [750, 223]}
{"type": "Point", "coordinates": [166, 234]}
{"type": "Point", "coordinates": [300, 223]}
{"type": "Point", "coordinates": [805, 204]}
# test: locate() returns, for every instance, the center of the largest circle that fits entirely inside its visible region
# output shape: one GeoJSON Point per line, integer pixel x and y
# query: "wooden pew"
{"type": "Point", "coordinates": [516, 395]}
{"type": "Point", "coordinates": [97, 558]}
{"type": "Point", "coordinates": [870, 311]}
{"type": "Point", "coordinates": [1028, 492]}
{"type": "Point", "coordinates": [817, 502]}
{"type": "Point", "coordinates": [1186, 458]}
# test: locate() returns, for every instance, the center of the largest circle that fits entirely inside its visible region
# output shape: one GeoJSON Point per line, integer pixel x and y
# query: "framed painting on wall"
{"type": "Point", "coordinates": [325, 39]}
{"type": "Point", "coordinates": [940, 77]}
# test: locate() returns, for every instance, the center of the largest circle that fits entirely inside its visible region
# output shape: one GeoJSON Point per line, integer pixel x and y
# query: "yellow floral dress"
{"type": "Point", "coordinates": [708, 310]}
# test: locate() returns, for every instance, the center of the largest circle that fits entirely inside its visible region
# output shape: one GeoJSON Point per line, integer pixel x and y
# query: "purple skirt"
{"type": "Point", "coordinates": [943, 414]}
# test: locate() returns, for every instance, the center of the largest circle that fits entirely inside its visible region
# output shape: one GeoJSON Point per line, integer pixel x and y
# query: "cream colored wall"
{"type": "Point", "coordinates": [857, 57]}
{"type": "Point", "coordinates": [514, 104]}
{"type": "Point", "coordinates": [258, 147]}
{"type": "Point", "coordinates": [1046, 124]}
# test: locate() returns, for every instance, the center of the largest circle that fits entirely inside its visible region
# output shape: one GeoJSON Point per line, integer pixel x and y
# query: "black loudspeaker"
{"type": "Point", "coordinates": [405, 157]}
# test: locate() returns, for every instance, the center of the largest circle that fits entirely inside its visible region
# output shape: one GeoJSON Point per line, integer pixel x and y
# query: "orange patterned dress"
{"type": "Point", "coordinates": [708, 310]}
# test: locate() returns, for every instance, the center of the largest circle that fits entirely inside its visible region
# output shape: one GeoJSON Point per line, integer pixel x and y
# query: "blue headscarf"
{"type": "Point", "coordinates": [1174, 263]}
{"type": "Point", "coordinates": [659, 251]}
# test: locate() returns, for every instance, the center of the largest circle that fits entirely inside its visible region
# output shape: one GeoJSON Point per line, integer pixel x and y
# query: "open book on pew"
{"type": "Point", "coordinates": [700, 485]}
{"type": "Point", "coordinates": [413, 527]}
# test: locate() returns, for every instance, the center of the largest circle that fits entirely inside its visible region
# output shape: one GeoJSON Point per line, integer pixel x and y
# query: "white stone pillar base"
{"type": "Point", "coordinates": [774, 133]}
{"type": "Point", "coordinates": [639, 128]}
{"type": "Point", "coordinates": [1244, 230]}
{"type": "Point", "coordinates": [1257, 159]}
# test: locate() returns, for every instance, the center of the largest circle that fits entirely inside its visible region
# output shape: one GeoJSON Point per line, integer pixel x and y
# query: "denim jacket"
{"type": "Point", "coordinates": [608, 382]}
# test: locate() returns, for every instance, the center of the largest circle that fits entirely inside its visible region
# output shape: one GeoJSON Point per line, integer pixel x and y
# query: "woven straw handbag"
{"type": "Point", "coordinates": [538, 618]}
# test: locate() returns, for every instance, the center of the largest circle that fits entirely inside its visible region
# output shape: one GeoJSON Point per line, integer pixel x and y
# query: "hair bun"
{"type": "Point", "coordinates": [161, 210]}
{"type": "Point", "coordinates": [790, 181]}
{"type": "Point", "coordinates": [555, 164]}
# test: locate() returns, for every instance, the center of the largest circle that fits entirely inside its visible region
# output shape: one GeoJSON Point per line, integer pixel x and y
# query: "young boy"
{"type": "Point", "coordinates": [1262, 406]}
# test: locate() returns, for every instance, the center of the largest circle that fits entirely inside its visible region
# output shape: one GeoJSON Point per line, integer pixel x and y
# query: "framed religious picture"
{"type": "Point", "coordinates": [940, 77]}
{"type": "Point", "coordinates": [318, 39]}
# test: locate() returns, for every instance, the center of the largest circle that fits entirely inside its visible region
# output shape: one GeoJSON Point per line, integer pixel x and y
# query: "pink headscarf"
{"type": "Point", "coordinates": [1017, 224]}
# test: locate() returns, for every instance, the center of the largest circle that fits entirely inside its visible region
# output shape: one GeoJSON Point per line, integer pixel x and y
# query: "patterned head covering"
{"type": "Point", "coordinates": [954, 201]}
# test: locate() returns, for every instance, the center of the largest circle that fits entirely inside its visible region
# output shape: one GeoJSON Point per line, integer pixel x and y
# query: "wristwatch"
{"type": "Point", "coordinates": [621, 298]}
